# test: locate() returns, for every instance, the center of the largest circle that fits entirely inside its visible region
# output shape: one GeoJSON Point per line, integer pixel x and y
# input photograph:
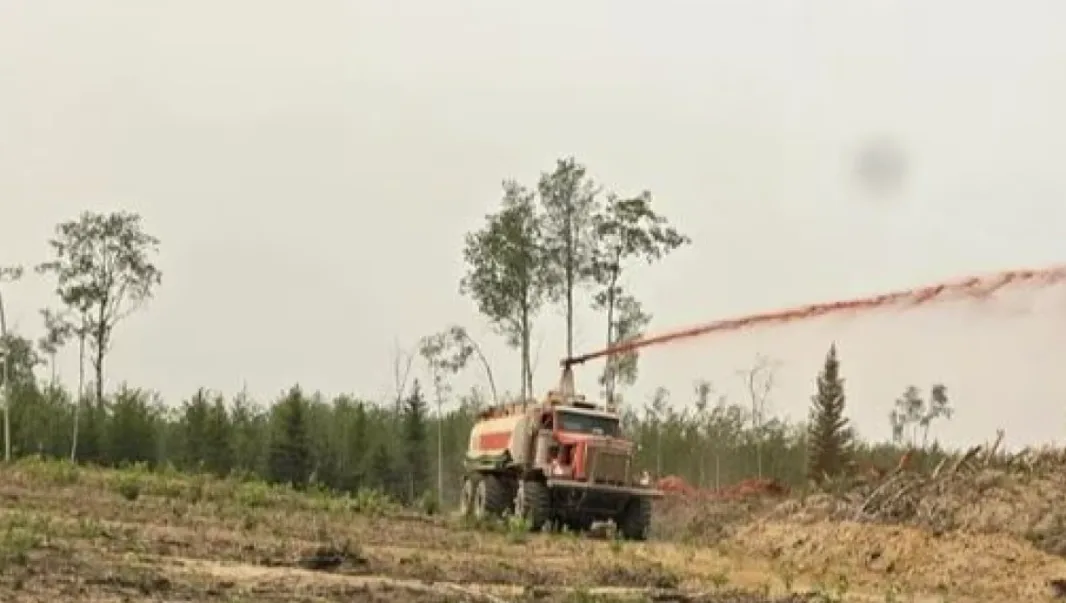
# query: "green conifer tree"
{"type": "Point", "coordinates": [414, 438]}
{"type": "Point", "coordinates": [218, 432]}
{"type": "Point", "coordinates": [830, 438]}
{"type": "Point", "coordinates": [290, 450]}
{"type": "Point", "coordinates": [381, 470]}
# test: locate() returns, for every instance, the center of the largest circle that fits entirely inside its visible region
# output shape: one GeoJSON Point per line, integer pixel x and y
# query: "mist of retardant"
{"type": "Point", "coordinates": [977, 288]}
{"type": "Point", "coordinates": [995, 340]}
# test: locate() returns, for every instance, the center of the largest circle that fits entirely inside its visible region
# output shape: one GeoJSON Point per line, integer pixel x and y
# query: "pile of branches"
{"type": "Point", "coordinates": [982, 489]}
{"type": "Point", "coordinates": [926, 499]}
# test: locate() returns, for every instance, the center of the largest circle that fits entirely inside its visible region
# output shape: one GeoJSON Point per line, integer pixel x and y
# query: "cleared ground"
{"type": "Point", "coordinates": [71, 534]}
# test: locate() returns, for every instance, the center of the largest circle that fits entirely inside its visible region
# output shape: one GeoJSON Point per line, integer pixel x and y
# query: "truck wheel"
{"type": "Point", "coordinates": [635, 519]}
{"type": "Point", "coordinates": [490, 497]}
{"type": "Point", "coordinates": [533, 502]}
{"type": "Point", "coordinates": [466, 497]}
{"type": "Point", "coordinates": [582, 523]}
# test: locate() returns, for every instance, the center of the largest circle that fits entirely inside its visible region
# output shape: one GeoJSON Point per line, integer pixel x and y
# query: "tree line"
{"type": "Point", "coordinates": [346, 444]}
{"type": "Point", "coordinates": [552, 244]}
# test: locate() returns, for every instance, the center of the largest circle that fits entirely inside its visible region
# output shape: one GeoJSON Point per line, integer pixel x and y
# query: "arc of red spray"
{"type": "Point", "coordinates": [974, 287]}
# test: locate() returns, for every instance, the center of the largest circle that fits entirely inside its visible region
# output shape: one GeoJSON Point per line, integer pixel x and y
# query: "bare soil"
{"type": "Point", "coordinates": [87, 535]}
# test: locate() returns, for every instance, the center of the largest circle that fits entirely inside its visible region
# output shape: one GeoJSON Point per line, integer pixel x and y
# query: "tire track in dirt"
{"type": "Point", "coordinates": [471, 592]}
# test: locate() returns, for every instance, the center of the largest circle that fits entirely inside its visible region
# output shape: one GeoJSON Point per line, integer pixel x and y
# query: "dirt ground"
{"type": "Point", "coordinates": [83, 535]}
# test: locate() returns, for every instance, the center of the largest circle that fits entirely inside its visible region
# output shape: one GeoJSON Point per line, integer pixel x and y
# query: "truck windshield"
{"type": "Point", "coordinates": [582, 423]}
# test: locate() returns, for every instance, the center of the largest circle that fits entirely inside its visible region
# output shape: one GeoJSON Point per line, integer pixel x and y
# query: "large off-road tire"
{"type": "Point", "coordinates": [579, 524]}
{"type": "Point", "coordinates": [634, 521]}
{"type": "Point", "coordinates": [533, 503]}
{"type": "Point", "coordinates": [466, 496]}
{"type": "Point", "coordinates": [492, 497]}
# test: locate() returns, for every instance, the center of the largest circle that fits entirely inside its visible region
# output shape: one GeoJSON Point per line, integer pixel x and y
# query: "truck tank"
{"type": "Point", "coordinates": [501, 440]}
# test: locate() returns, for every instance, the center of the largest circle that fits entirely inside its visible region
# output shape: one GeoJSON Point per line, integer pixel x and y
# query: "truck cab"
{"type": "Point", "coordinates": [588, 445]}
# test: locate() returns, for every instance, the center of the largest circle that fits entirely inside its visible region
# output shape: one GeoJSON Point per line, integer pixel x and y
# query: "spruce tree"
{"type": "Point", "coordinates": [829, 438]}
{"type": "Point", "coordinates": [414, 439]}
{"type": "Point", "coordinates": [381, 469]}
{"type": "Point", "coordinates": [193, 426]}
{"type": "Point", "coordinates": [355, 444]}
{"type": "Point", "coordinates": [290, 447]}
{"type": "Point", "coordinates": [218, 435]}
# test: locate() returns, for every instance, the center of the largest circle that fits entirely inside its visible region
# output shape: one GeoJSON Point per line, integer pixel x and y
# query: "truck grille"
{"type": "Point", "coordinates": [608, 467]}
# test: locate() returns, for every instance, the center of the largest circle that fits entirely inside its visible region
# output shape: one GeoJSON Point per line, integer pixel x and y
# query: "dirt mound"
{"type": "Point", "coordinates": [877, 556]}
{"type": "Point", "coordinates": [675, 484]}
{"type": "Point", "coordinates": [1020, 495]}
{"type": "Point", "coordinates": [706, 516]}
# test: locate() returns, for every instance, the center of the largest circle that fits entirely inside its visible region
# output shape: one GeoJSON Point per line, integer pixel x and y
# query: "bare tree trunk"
{"type": "Point", "coordinates": [81, 395]}
{"type": "Point", "coordinates": [7, 382]}
{"type": "Point", "coordinates": [534, 361]}
{"type": "Point", "coordinates": [101, 337]}
{"type": "Point", "coordinates": [755, 420]}
{"type": "Point", "coordinates": [98, 372]}
{"type": "Point", "coordinates": [485, 364]}
{"type": "Point", "coordinates": [522, 376]}
{"type": "Point", "coordinates": [527, 336]}
{"type": "Point", "coordinates": [658, 450]}
{"type": "Point", "coordinates": [401, 368]}
{"type": "Point", "coordinates": [440, 449]}
{"type": "Point", "coordinates": [569, 316]}
{"type": "Point", "coordinates": [717, 471]}
{"type": "Point", "coordinates": [608, 363]}
{"type": "Point", "coordinates": [523, 342]}
{"type": "Point", "coordinates": [703, 468]}
{"type": "Point", "coordinates": [760, 382]}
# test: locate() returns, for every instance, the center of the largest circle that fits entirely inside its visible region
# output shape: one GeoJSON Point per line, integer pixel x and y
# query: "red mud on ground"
{"type": "Point", "coordinates": [749, 488]}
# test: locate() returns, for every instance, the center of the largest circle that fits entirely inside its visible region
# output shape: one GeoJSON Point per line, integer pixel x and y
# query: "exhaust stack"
{"type": "Point", "coordinates": [566, 383]}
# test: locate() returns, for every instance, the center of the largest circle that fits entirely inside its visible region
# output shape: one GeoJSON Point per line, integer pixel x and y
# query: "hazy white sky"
{"type": "Point", "coordinates": [312, 167]}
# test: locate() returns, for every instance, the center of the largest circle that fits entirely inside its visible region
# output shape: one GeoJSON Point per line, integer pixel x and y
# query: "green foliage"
{"type": "Point", "coordinates": [104, 271]}
{"type": "Point", "coordinates": [446, 353]}
{"type": "Point", "coordinates": [129, 486]}
{"type": "Point", "coordinates": [545, 245]}
{"type": "Point", "coordinates": [913, 415]}
{"type": "Point", "coordinates": [58, 329]}
{"type": "Point", "coordinates": [707, 440]}
{"type": "Point", "coordinates": [506, 273]}
{"type": "Point", "coordinates": [347, 426]}
{"type": "Point", "coordinates": [9, 371]}
{"type": "Point", "coordinates": [830, 439]}
{"type": "Point", "coordinates": [625, 230]}
{"type": "Point", "coordinates": [248, 422]}
{"type": "Point", "coordinates": [259, 454]}
{"type": "Point", "coordinates": [207, 435]}
{"type": "Point", "coordinates": [22, 358]}
{"type": "Point", "coordinates": [517, 528]}
{"type": "Point", "coordinates": [626, 322]}
{"type": "Point", "coordinates": [290, 448]}
{"type": "Point", "coordinates": [569, 200]}
{"type": "Point", "coordinates": [414, 443]}
{"type": "Point", "coordinates": [131, 432]}
{"type": "Point", "coordinates": [382, 474]}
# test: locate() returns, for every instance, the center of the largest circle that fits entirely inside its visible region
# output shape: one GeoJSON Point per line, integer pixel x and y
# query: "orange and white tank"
{"type": "Point", "coordinates": [494, 435]}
